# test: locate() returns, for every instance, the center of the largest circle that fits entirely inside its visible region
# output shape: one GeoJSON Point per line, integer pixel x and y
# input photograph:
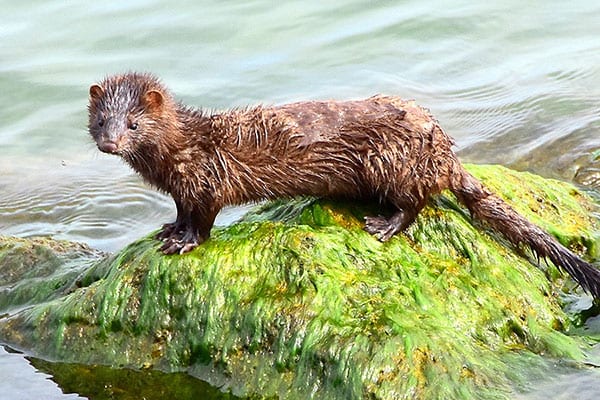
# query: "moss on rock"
{"type": "Point", "coordinates": [296, 300]}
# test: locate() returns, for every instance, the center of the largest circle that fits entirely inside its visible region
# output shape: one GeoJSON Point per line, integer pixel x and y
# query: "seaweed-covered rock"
{"type": "Point", "coordinates": [297, 301]}
{"type": "Point", "coordinates": [38, 269]}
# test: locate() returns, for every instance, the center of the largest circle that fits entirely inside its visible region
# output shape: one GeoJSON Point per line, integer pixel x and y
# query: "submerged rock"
{"type": "Point", "coordinates": [297, 301]}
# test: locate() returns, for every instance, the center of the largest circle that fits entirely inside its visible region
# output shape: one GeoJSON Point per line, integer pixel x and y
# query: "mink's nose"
{"type": "Point", "coordinates": [108, 147]}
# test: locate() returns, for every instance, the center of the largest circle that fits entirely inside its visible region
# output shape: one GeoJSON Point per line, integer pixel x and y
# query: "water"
{"type": "Point", "coordinates": [514, 82]}
{"type": "Point", "coordinates": [21, 382]}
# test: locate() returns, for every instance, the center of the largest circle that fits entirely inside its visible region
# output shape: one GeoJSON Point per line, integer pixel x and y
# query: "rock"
{"type": "Point", "coordinates": [297, 301]}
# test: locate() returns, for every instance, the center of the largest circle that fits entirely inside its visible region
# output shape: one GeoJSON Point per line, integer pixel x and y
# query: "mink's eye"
{"type": "Point", "coordinates": [133, 126]}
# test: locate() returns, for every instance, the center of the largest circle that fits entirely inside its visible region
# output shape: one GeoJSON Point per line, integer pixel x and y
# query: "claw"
{"type": "Point", "coordinates": [188, 247]}
{"type": "Point", "coordinates": [170, 246]}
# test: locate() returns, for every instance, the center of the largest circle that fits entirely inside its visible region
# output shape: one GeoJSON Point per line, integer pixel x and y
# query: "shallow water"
{"type": "Point", "coordinates": [516, 83]}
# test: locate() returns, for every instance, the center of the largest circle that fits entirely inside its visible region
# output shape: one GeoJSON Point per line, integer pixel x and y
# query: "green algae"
{"type": "Point", "coordinates": [297, 301]}
{"type": "Point", "coordinates": [556, 206]}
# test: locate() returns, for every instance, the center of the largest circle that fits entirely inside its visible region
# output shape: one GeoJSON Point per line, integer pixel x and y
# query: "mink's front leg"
{"type": "Point", "coordinates": [172, 229]}
{"type": "Point", "coordinates": [189, 230]}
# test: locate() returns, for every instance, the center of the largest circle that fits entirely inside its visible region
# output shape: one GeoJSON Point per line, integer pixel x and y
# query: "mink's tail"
{"type": "Point", "coordinates": [488, 207]}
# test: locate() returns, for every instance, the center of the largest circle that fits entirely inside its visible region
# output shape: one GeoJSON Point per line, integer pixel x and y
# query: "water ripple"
{"type": "Point", "coordinates": [97, 209]}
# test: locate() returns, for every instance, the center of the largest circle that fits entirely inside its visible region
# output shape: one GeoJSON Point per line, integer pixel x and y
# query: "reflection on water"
{"type": "Point", "coordinates": [20, 382]}
{"type": "Point", "coordinates": [100, 382]}
{"type": "Point", "coordinates": [516, 83]}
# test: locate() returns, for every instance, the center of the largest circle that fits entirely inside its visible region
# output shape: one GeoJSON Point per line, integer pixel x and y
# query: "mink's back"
{"type": "Point", "coordinates": [356, 149]}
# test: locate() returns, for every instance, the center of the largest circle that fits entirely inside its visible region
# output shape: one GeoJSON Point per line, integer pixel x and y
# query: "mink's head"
{"type": "Point", "coordinates": [126, 111]}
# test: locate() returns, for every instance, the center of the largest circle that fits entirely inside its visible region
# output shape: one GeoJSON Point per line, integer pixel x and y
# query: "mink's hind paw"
{"type": "Point", "coordinates": [379, 227]}
{"type": "Point", "coordinates": [383, 228]}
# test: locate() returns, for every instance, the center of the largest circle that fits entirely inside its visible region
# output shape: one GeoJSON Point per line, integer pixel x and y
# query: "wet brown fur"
{"type": "Point", "coordinates": [382, 148]}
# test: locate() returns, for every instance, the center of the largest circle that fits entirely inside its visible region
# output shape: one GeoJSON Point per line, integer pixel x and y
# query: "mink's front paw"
{"type": "Point", "coordinates": [180, 242]}
{"type": "Point", "coordinates": [168, 231]}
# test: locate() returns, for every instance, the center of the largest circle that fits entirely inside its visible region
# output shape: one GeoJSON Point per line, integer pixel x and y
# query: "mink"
{"type": "Point", "coordinates": [382, 149]}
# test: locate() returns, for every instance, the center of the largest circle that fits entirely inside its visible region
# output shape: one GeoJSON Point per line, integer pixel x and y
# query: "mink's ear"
{"type": "Point", "coordinates": [96, 92]}
{"type": "Point", "coordinates": [153, 101]}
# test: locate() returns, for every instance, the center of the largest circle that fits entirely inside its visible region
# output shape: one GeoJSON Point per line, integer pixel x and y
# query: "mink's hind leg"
{"type": "Point", "coordinates": [384, 228]}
